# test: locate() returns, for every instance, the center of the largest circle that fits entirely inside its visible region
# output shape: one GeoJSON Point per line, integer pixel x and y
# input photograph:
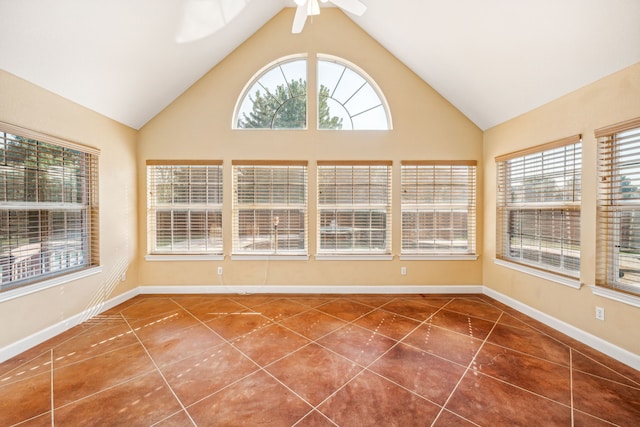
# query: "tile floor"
{"type": "Point", "coordinates": [325, 360]}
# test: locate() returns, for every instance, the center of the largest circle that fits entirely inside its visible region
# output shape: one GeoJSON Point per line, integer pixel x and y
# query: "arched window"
{"type": "Point", "coordinates": [348, 99]}
{"type": "Point", "coordinates": [276, 98]}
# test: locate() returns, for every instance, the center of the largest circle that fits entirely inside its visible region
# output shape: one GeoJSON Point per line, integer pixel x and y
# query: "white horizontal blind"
{"type": "Point", "coordinates": [538, 206]}
{"type": "Point", "coordinates": [618, 243]}
{"type": "Point", "coordinates": [48, 207]}
{"type": "Point", "coordinates": [270, 207]}
{"type": "Point", "coordinates": [184, 207]}
{"type": "Point", "coordinates": [438, 207]}
{"type": "Point", "coordinates": [354, 207]}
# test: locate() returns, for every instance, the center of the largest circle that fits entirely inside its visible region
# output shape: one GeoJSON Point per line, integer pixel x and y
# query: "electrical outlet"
{"type": "Point", "coordinates": [123, 277]}
{"type": "Point", "coordinates": [219, 271]}
{"type": "Point", "coordinates": [403, 271]}
{"type": "Point", "coordinates": [600, 313]}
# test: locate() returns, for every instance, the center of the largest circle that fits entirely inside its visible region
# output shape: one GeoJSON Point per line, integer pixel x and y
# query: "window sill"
{"type": "Point", "coordinates": [567, 281]}
{"type": "Point", "coordinates": [354, 257]}
{"type": "Point", "coordinates": [269, 257]}
{"type": "Point", "coordinates": [438, 257]}
{"type": "Point", "coordinates": [616, 296]}
{"type": "Point", "coordinates": [186, 257]}
{"type": "Point", "coordinates": [49, 283]}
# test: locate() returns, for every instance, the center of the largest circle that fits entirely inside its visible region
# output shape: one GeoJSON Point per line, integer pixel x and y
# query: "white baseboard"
{"type": "Point", "coordinates": [599, 344]}
{"type": "Point", "coordinates": [618, 353]}
{"type": "Point", "coordinates": [243, 290]}
{"type": "Point", "coordinates": [39, 337]}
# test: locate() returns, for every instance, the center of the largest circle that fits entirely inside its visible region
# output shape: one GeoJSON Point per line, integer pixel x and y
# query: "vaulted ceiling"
{"type": "Point", "coordinates": [492, 59]}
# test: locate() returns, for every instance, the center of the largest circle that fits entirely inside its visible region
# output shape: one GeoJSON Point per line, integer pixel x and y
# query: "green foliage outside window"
{"type": "Point", "coordinates": [286, 108]}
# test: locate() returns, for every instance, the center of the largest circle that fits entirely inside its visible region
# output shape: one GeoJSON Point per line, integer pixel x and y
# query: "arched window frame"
{"type": "Point", "coordinates": [319, 58]}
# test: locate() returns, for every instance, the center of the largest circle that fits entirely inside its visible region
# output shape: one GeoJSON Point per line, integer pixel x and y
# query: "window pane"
{"type": "Point", "coordinates": [48, 224]}
{"type": "Point", "coordinates": [347, 99]}
{"type": "Point", "coordinates": [618, 263]}
{"type": "Point", "coordinates": [270, 209]}
{"type": "Point", "coordinates": [438, 205]}
{"type": "Point", "coordinates": [185, 209]}
{"type": "Point", "coordinates": [354, 208]}
{"type": "Point", "coordinates": [539, 209]}
{"type": "Point", "coordinates": [277, 99]}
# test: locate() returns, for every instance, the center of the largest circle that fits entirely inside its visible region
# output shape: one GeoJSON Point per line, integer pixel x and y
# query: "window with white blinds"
{"type": "Point", "coordinates": [184, 207]}
{"type": "Point", "coordinates": [618, 242]}
{"type": "Point", "coordinates": [270, 207]}
{"type": "Point", "coordinates": [354, 207]}
{"type": "Point", "coordinates": [438, 207]}
{"type": "Point", "coordinates": [538, 206]}
{"type": "Point", "coordinates": [48, 207]}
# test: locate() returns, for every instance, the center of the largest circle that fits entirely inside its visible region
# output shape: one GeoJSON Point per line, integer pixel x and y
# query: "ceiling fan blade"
{"type": "Point", "coordinates": [355, 7]}
{"type": "Point", "coordinates": [299, 19]}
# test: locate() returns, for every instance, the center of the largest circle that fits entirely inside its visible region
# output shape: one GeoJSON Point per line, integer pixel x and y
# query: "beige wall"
{"type": "Point", "coordinates": [198, 126]}
{"type": "Point", "coordinates": [28, 106]}
{"type": "Point", "coordinates": [611, 100]}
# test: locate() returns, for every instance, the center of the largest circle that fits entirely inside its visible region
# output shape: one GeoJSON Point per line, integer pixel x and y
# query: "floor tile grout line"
{"type": "Point", "coordinates": [94, 356]}
{"type": "Point", "coordinates": [161, 374]}
{"type": "Point", "coordinates": [322, 414]}
{"type": "Point", "coordinates": [571, 384]}
{"type": "Point", "coordinates": [168, 416]}
{"type": "Point", "coordinates": [566, 405]}
{"type": "Point", "coordinates": [471, 363]}
{"type": "Point", "coordinates": [135, 377]}
{"type": "Point", "coordinates": [633, 387]}
{"type": "Point", "coordinates": [533, 356]}
{"type": "Point", "coordinates": [537, 330]}
{"type": "Point", "coordinates": [52, 389]}
{"type": "Point", "coordinates": [637, 386]}
{"type": "Point", "coordinates": [611, 423]}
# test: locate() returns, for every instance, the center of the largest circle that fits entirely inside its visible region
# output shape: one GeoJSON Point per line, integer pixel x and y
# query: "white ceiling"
{"type": "Point", "coordinates": [492, 59]}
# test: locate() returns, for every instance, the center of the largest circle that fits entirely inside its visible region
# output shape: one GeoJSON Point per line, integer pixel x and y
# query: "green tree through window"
{"type": "Point", "coordinates": [286, 108]}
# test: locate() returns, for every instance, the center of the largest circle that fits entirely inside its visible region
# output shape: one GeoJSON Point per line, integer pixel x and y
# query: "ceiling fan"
{"type": "Point", "coordinates": [311, 7]}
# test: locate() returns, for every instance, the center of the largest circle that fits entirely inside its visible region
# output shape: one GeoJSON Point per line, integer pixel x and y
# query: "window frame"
{"type": "Point", "coordinates": [154, 207]}
{"type": "Point", "coordinates": [319, 58]}
{"type": "Point", "coordinates": [427, 179]}
{"type": "Point", "coordinates": [354, 208]}
{"type": "Point", "coordinates": [72, 166]}
{"type": "Point", "coordinates": [523, 162]}
{"type": "Point", "coordinates": [615, 154]}
{"type": "Point", "coordinates": [280, 207]}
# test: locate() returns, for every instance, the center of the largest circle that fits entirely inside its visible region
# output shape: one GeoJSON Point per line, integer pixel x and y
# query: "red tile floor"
{"type": "Point", "coordinates": [326, 360]}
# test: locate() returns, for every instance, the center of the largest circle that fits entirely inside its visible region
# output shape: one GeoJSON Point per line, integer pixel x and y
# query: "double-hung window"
{"type": "Point", "coordinates": [270, 208]}
{"type": "Point", "coordinates": [618, 242]}
{"type": "Point", "coordinates": [438, 208]}
{"type": "Point", "coordinates": [48, 207]}
{"type": "Point", "coordinates": [538, 207]}
{"type": "Point", "coordinates": [354, 207]}
{"type": "Point", "coordinates": [184, 207]}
